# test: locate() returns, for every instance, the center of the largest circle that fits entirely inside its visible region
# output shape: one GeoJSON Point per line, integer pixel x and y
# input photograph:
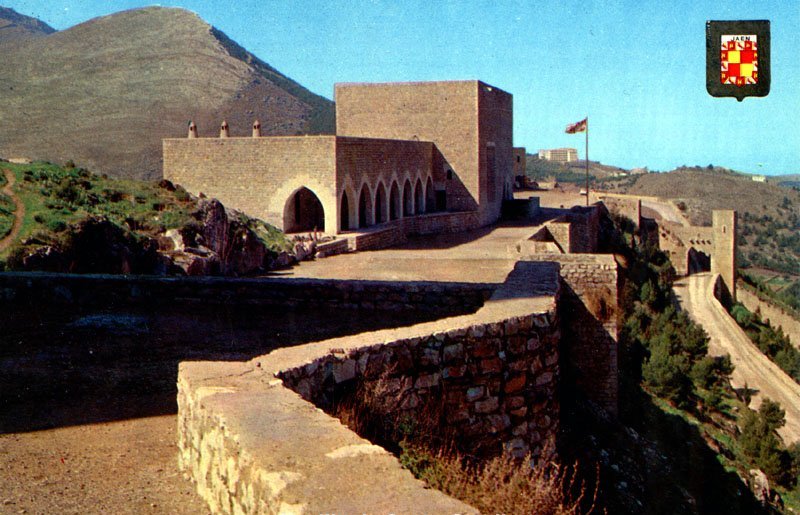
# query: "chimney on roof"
{"type": "Point", "coordinates": [192, 130]}
{"type": "Point", "coordinates": [223, 130]}
{"type": "Point", "coordinates": [256, 129]}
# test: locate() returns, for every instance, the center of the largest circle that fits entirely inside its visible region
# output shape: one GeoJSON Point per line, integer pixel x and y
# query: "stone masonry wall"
{"type": "Point", "coordinates": [495, 143]}
{"type": "Point", "coordinates": [777, 316]}
{"type": "Point", "coordinates": [492, 385]}
{"type": "Point", "coordinates": [589, 334]}
{"type": "Point", "coordinates": [256, 175]}
{"type": "Point", "coordinates": [445, 113]}
{"type": "Point", "coordinates": [723, 255]}
{"type": "Point", "coordinates": [378, 165]}
{"type": "Point", "coordinates": [45, 289]}
{"type": "Point", "coordinates": [253, 444]}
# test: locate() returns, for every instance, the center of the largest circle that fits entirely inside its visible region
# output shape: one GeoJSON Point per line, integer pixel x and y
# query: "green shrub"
{"type": "Point", "coordinates": [759, 441]}
{"type": "Point", "coordinates": [57, 225]}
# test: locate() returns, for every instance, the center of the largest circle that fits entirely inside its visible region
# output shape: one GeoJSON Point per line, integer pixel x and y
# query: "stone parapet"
{"type": "Point", "coordinates": [253, 444]}
{"type": "Point", "coordinates": [49, 289]}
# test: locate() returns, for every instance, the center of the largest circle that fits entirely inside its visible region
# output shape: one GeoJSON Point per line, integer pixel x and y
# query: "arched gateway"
{"type": "Point", "coordinates": [302, 212]}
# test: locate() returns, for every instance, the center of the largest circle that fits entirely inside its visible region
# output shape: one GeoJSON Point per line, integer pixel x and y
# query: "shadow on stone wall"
{"type": "Point", "coordinates": [64, 365]}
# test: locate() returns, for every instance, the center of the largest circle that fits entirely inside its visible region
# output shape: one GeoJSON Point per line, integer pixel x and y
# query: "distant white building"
{"type": "Point", "coordinates": [559, 155]}
{"type": "Point", "coordinates": [759, 178]}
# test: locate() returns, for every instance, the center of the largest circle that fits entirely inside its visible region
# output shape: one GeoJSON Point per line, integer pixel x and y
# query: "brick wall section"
{"type": "Point", "coordinates": [42, 289]}
{"type": "Point", "coordinates": [256, 175]}
{"type": "Point", "coordinates": [493, 385]}
{"type": "Point", "coordinates": [445, 113]}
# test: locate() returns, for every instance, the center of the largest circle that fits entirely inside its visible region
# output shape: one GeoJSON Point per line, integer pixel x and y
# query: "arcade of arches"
{"type": "Point", "coordinates": [377, 206]}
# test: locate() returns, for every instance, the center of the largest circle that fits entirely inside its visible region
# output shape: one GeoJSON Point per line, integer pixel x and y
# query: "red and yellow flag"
{"type": "Point", "coordinates": [577, 126]}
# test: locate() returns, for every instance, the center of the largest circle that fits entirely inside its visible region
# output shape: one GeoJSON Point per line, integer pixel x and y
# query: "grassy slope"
{"type": "Point", "coordinates": [55, 196]}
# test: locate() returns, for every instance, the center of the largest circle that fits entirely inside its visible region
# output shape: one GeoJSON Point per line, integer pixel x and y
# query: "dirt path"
{"type": "Point", "coordinates": [667, 210]}
{"type": "Point", "coordinates": [751, 366]}
{"type": "Point", "coordinates": [128, 466]}
{"type": "Point", "coordinates": [19, 211]}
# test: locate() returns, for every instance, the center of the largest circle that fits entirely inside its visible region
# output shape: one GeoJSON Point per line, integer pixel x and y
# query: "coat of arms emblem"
{"type": "Point", "coordinates": [739, 59]}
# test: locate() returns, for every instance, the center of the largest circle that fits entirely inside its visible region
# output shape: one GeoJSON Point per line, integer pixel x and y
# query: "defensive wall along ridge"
{"type": "Point", "coordinates": [254, 439]}
{"type": "Point", "coordinates": [690, 248]}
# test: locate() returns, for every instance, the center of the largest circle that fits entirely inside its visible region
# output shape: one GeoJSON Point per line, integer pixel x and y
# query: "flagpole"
{"type": "Point", "coordinates": [587, 161]}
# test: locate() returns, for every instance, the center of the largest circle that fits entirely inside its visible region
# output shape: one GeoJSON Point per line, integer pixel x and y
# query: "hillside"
{"type": "Point", "coordinates": [544, 170]}
{"type": "Point", "coordinates": [104, 93]}
{"type": "Point", "coordinates": [16, 28]}
{"type": "Point", "coordinates": [67, 219]}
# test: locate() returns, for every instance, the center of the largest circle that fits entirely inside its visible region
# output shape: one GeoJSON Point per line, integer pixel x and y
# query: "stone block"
{"type": "Point", "coordinates": [515, 383]}
{"type": "Point", "coordinates": [491, 366]}
{"type": "Point", "coordinates": [499, 422]}
{"type": "Point", "coordinates": [427, 381]}
{"type": "Point", "coordinates": [544, 378]}
{"type": "Point", "coordinates": [475, 393]}
{"type": "Point", "coordinates": [485, 348]}
{"type": "Point", "coordinates": [454, 371]}
{"type": "Point", "coordinates": [344, 370]}
{"type": "Point", "coordinates": [453, 352]}
{"type": "Point", "coordinates": [489, 405]}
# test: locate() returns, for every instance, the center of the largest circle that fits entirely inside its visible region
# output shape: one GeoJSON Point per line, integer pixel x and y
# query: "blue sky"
{"type": "Point", "coordinates": [637, 69]}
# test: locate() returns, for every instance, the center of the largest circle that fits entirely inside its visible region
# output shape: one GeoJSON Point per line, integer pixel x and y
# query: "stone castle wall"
{"type": "Point", "coordinates": [47, 290]}
{"type": "Point", "coordinates": [461, 118]}
{"type": "Point", "coordinates": [590, 335]}
{"type": "Point", "coordinates": [495, 148]}
{"type": "Point", "coordinates": [251, 442]}
{"type": "Point", "coordinates": [723, 254]}
{"type": "Point", "coordinates": [777, 316]}
{"type": "Point", "coordinates": [256, 175]}
{"type": "Point", "coordinates": [625, 205]}
{"type": "Point", "coordinates": [491, 385]}
{"type": "Point", "coordinates": [386, 172]}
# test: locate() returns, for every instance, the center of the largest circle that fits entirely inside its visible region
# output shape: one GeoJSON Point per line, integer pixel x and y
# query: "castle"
{"type": "Point", "coordinates": [401, 151]}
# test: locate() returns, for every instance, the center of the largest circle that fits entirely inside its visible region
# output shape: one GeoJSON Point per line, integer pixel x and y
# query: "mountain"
{"type": "Point", "coordinates": [104, 93]}
{"type": "Point", "coordinates": [15, 27]}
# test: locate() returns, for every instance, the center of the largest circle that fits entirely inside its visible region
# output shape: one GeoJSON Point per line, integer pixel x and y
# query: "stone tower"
{"type": "Point", "coordinates": [256, 129]}
{"type": "Point", "coordinates": [723, 255]}
{"type": "Point", "coordinates": [192, 130]}
{"type": "Point", "coordinates": [223, 130]}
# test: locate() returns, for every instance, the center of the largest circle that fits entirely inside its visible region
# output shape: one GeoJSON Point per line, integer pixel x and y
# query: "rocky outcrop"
{"type": "Point", "coordinates": [214, 243]}
{"type": "Point", "coordinates": [94, 245]}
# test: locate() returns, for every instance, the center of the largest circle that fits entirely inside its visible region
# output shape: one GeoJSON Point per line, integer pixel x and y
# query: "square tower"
{"type": "Point", "coordinates": [469, 122]}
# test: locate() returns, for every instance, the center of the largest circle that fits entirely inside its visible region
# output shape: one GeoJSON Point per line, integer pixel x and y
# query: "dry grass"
{"type": "Point", "coordinates": [502, 484]}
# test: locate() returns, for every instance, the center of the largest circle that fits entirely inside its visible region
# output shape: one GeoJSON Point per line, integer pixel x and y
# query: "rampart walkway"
{"type": "Point", "coordinates": [752, 367]}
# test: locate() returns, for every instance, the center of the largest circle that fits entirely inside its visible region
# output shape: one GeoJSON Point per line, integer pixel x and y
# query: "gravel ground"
{"type": "Point", "coordinates": [127, 466]}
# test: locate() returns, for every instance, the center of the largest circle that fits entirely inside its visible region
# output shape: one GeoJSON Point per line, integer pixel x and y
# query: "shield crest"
{"type": "Point", "coordinates": [739, 59]}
